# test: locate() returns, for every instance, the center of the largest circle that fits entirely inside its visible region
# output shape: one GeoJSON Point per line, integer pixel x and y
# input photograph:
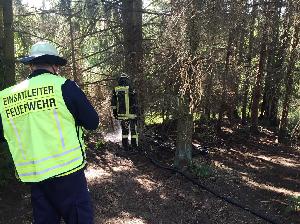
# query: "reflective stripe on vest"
{"type": "Point", "coordinates": [29, 110]}
{"type": "Point", "coordinates": [136, 137]}
{"type": "Point", "coordinates": [127, 114]}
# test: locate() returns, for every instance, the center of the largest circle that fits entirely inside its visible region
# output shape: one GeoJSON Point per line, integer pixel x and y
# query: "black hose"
{"type": "Point", "coordinates": [158, 164]}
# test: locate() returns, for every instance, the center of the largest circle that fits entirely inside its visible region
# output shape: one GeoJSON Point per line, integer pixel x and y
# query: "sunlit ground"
{"type": "Point", "coordinates": [96, 173]}
{"type": "Point", "coordinates": [145, 183]}
{"type": "Point", "coordinates": [273, 159]}
{"type": "Point", "coordinates": [278, 160]}
{"type": "Point", "coordinates": [115, 136]}
{"type": "Point", "coordinates": [279, 190]}
{"type": "Point", "coordinates": [127, 218]}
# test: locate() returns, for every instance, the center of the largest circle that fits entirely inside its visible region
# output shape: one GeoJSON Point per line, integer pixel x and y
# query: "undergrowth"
{"type": "Point", "coordinates": [294, 204]}
{"type": "Point", "coordinates": [200, 170]}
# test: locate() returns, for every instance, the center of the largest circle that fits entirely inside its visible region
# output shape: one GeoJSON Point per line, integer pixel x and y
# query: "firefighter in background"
{"type": "Point", "coordinates": [125, 109]}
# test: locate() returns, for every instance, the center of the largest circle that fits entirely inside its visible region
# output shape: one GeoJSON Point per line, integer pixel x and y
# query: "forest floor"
{"type": "Point", "coordinates": [254, 171]}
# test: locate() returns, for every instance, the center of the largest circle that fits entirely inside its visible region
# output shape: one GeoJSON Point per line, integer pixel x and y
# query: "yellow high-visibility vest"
{"type": "Point", "coordinates": [127, 114]}
{"type": "Point", "coordinates": [40, 130]}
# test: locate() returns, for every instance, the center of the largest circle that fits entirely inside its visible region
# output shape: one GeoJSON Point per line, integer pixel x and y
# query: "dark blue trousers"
{"type": "Point", "coordinates": [64, 198]}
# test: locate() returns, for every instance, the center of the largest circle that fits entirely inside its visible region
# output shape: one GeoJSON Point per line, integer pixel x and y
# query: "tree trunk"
{"type": "Point", "coordinates": [185, 125]}
{"type": "Point", "coordinates": [256, 95]}
{"type": "Point", "coordinates": [7, 56]}
{"type": "Point", "coordinates": [7, 69]}
{"type": "Point", "coordinates": [289, 82]}
{"type": "Point", "coordinates": [133, 49]}
{"type": "Point", "coordinates": [183, 154]}
{"type": "Point", "coordinates": [223, 105]}
{"type": "Point", "coordinates": [1, 46]}
{"type": "Point", "coordinates": [208, 95]}
{"type": "Point", "coordinates": [72, 41]}
{"type": "Point", "coordinates": [249, 64]}
{"type": "Point", "coordinates": [133, 37]}
{"type": "Point", "coordinates": [273, 77]}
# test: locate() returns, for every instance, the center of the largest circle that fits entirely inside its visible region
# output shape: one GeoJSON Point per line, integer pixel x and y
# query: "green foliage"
{"type": "Point", "coordinates": [183, 53]}
{"type": "Point", "coordinates": [293, 131]}
{"type": "Point", "coordinates": [294, 204]}
{"type": "Point", "coordinates": [100, 143]}
{"type": "Point", "coordinates": [200, 170]}
{"type": "Point", "coordinates": [294, 119]}
{"type": "Point", "coordinates": [153, 119]}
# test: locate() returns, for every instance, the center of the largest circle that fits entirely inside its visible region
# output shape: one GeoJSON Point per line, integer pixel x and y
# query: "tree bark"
{"type": "Point", "coordinates": [133, 49]}
{"type": "Point", "coordinates": [185, 125]}
{"type": "Point", "coordinates": [1, 46]}
{"type": "Point", "coordinates": [208, 95]}
{"type": "Point", "coordinates": [223, 105]}
{"type": "Point", "coordinates": [133, 37]}
{"type": "Point", "coordinates": [7, 56]}
{"type": "Point", "coordinates": [183, 154]}
{"type": "Point", "coordinates": [73, 52]}
{"type": "Point", "coordinates": [289, 82]}
{"type": "Point", "coordinates": [273, 77]}
{"type": "Point", "coordinates": [256, 95]}
{"type": "Point", "coordinates": [246, 85]}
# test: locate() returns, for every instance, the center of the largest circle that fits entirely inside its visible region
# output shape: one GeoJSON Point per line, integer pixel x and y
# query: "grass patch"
{"type": "Point", "coordinates": [200, 170]}
{"type": "Point", "coordinates": [294, 204]}
{"type": "Point", "coordinates": [99, 144]}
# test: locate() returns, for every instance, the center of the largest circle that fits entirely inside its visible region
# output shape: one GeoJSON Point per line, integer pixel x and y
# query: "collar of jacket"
{"type": "Point", "coordinates": [38, 72]}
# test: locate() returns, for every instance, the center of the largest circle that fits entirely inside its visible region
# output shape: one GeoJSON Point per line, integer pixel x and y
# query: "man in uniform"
{"type": "Point", "coordinates": [125, 109]}
{"type": "Point", "coordinates": [41, 120]}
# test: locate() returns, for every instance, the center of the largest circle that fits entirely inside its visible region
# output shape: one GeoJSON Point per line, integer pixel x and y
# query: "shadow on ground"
{"type": "Point", "coordinates": [125, 187]}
